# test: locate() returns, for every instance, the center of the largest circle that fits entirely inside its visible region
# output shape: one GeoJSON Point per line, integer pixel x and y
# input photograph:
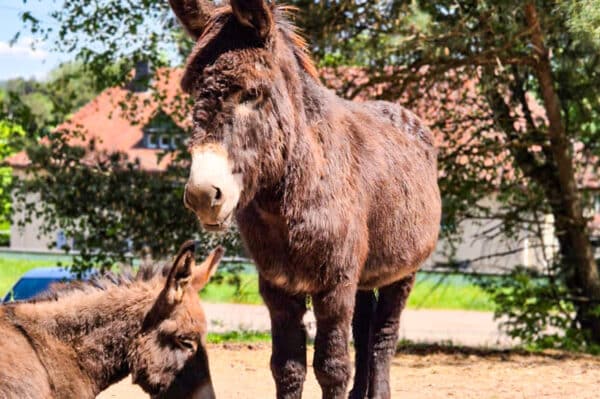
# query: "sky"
{"type": "Point", "coordinates": [20, 59]}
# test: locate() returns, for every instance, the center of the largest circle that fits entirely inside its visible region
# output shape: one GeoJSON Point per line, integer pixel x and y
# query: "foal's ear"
{"type": "Point", "coordinates": [180, 275]}
{"type": "Point", "coordinates": [205, 270]}
{"type": "Point", "coordinates": [254, 14]}
{"type": "Point", "coordinates": [193, 14]}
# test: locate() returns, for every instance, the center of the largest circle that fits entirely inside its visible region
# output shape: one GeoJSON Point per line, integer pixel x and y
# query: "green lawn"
{"type": "Point", "coordinates": [436, 291]}
{"type": "Point", "coordinates": [12, 268]}
{"type": "Point", "coordinates": [432, 291]}
{"type": "Point", "coordinates": [239, 336]}
{"type": "Point", "coordinates": [248, 292]}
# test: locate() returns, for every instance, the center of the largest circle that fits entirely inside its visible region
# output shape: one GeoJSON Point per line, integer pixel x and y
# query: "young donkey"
{"type": "Point", "coordinates": [334, 199]}
{"type": "Point", "coordinates": [78, 341]}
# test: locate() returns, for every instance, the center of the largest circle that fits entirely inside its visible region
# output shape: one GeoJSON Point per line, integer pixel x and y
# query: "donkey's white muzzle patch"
{"type": "Point", "coordinates": [212, 191]}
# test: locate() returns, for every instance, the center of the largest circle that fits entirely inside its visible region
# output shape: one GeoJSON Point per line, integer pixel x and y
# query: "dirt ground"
{"type": "Point", "coordinates": [241, 371]}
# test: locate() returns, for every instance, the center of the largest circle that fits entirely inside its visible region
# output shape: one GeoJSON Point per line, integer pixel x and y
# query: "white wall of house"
{"type": "Point", "coordinates": [28, 237]}
{"type": "Point", "coordinates": [498, 254]}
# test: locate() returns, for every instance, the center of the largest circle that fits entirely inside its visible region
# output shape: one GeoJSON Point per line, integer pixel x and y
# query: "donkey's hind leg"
{"type": "Point", "coordinates": [386, 323]}
{"type": "Point", "coordinates": [364, 309]}
{"type": "Point", "coordinates": [288, 359]}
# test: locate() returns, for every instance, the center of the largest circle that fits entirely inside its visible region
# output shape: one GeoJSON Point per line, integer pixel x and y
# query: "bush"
{"type": "Point", "coordinates": [4, 238]}
{"type": "Point", "coordinates": [537, 310]}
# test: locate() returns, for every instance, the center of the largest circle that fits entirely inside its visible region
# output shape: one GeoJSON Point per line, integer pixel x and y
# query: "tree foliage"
{"type": "Point", "coordinates": [109, 207]}
{"type": "Point", "coordinates": [10, 139]}
{"type": "Point", "coordinates": [584, 18]}
{"type": "Point", "coordinates": [45, 104]}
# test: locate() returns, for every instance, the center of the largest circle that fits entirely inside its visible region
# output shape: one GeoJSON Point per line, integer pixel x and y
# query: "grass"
{"type": "Point", "coordinates": [455, 292]}
{"type": "Point", "coordinates": [225, 293]}
{"type": "Point", "coordinates": [239, 337]}
{"type": "Point", "coordinates": [12, 268]}
{"type": "Point", "coordinates": [432, 291]}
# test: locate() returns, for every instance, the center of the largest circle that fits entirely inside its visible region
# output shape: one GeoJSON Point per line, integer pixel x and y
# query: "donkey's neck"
{"type": "Point", "coordinates": [98, 326]}
{"type": "Point", "coordinates": [318, 101]}
{"type": "Point", "coordinates": [320, 136]}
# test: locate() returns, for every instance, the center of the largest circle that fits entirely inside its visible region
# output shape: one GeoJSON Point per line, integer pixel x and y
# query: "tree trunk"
{"type": "Point", "coordinates": [571, 225]}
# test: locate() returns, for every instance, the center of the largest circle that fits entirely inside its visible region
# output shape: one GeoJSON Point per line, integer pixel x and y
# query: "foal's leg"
{"type": "Point", "coordinates": [333, 311]}
{"type": "Point", "coordinates": [288, 358]}
{"type": "Point", "coordinates": [364, 310]}
{"type": "Point", "coordinates": [386, 324]}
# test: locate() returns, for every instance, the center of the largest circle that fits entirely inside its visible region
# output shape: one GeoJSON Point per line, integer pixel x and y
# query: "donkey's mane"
{"type": "Point", "coordinates": [127, 277]}
{"type": "Point", "coordinates": [295, 37]}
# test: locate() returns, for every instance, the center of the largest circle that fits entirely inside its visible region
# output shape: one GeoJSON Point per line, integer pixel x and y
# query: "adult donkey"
{"type": "Point", "coordinates": [82, 338]}
{"type": "Point", "coordinates": [334, 199]}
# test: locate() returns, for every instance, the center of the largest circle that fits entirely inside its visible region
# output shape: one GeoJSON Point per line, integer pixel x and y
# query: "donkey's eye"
{"type": "Point", "coordinates": [186, 343]}
{"type": "Point", "coordinates": [249, 96]}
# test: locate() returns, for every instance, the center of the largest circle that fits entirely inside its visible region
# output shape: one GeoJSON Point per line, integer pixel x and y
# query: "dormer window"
{"type": "Point", "coordinates": [162, 133]}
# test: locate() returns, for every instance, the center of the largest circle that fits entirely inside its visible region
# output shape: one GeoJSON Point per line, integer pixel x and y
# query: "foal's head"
{"type": "Point", "coordinates": [245, 77]}
{"type": "Point", "coordinates": [168, 357]}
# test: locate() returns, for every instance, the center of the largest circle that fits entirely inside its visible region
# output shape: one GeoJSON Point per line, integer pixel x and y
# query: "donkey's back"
{"type": "Point", "coordinates": [22, 375]}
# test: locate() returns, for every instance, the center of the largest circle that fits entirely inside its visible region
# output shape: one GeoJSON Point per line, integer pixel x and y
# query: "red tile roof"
{"type": "Point", "coordinates": [116, 117]}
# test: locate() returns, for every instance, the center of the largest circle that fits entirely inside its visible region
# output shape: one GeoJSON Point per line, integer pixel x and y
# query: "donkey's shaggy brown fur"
{"type": "Point", "coordinates": [337, 198]}
{"type": "Point", "coordinates": [82, 337]}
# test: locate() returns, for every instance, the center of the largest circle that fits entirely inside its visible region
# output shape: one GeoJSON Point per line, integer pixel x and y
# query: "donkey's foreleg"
{"type": "Point", "coordinates": [386, 323]}
{"type": "Point", "coordinates": [333, 311]}
{"type": "Point", "coordinates": [364, 309]}
{"type": "Point", "coordinates": [288, 358]}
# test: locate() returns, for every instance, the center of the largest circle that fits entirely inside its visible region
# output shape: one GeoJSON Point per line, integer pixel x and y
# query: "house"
{"type": "Point", "coordinates": [150, 124]}
{"type": "Point", "coordinates": [143, 131]}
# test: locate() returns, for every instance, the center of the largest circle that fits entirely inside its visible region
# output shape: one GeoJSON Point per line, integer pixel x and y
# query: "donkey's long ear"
{"type": "Point", "coordinates": [256, 14]}
{"type": "Point", "coordinates": [193, 14]}
{"type": "Point", "coordinates": [180, 275]}
{"type": "Point", "coordinates": [204, 271]}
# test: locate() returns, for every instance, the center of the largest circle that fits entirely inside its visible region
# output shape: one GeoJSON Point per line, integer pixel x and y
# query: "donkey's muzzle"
{"type": "Point", "coordinates": [210, 205]}
{"type": "Point", "coordinates": [213, 190]}
{"type": "Point", "coordinates": [209, 197]}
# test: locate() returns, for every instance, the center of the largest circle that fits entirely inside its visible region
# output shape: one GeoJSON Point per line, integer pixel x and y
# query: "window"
{"type": "Point", "coordinates": [156, 139]}
{"type": "Point", "coordinates": [61, 240]}
{"type": "Point", "coordinates": [175, 142]}
{"type": "Point", "coordinates": [164, 142]}
{"type": "Point", "coordinates": [162, 132]}
{"type": "Point", "coordinates": [151, 141]}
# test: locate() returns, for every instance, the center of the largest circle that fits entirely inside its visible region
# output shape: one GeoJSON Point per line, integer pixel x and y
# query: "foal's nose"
{"type": "Point", "coordinates": [203, 197]}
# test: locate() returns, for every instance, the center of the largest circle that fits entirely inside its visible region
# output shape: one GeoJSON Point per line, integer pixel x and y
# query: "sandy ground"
{"type": "Point", "coordinates": [241, 371]}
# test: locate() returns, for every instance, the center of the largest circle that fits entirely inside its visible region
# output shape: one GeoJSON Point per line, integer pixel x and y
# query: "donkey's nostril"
{"type": "Point", "coordinates": [217, 197]}
{"type": "Point", "coordinates": [218, 193]}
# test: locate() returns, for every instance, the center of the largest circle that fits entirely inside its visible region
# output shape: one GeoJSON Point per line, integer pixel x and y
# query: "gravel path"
{"type": "Point", "coordinates": [458, 327]}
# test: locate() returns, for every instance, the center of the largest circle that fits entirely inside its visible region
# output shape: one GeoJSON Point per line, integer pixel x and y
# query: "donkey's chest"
{"type": "Point", "coordinates": [288, 256]}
